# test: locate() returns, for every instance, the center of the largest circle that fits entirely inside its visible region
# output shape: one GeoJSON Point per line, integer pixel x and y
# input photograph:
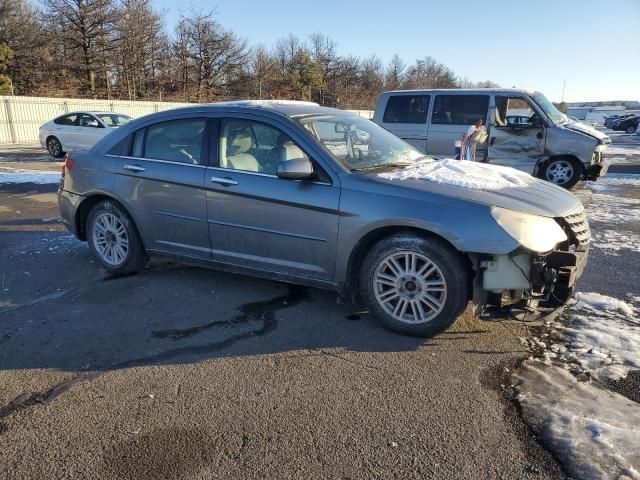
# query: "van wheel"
{"type": "Point", "coordinates": [54, 147]}
{"type": "Point", "coordinates": [565, 172]}
{"type": "Point", "coordinates": [114, 239]}
{"type": "Point", "coordinates": [415, 286]}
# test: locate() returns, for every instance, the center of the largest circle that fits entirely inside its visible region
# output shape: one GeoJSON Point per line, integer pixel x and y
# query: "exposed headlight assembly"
{"type": "Point", "coordinates": [536, 233]}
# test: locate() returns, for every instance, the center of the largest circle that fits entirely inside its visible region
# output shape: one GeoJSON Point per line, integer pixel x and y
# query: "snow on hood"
{"type": "Point", "coordinates": [588, 130]}
{"type": "Point", "coordinates": [463, 173]}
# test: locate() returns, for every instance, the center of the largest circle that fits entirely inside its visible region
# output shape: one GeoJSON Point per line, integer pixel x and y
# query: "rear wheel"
{"type": "Point", "coordinates": [114, 239]}
{"type": "Point", "coordinates": [565, 172]}
{"type": "Point", "coordinates": [631, 129]}
{"type": "Point", "coordinates": [416, 286]}
{"type": "Point", "coordinates": [54, 147]}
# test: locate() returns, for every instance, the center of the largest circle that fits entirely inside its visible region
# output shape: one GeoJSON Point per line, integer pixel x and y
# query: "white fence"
{"type": "Point", "coordinates": [21, 117]}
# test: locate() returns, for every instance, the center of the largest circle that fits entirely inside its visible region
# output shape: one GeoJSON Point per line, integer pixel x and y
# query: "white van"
{"type": "Point", "coordinates": [525, 129]}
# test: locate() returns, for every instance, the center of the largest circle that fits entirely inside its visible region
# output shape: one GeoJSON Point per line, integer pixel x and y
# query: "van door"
{"type": "Point", "coordinates": [451, 116]}
{"type": "Point", "coordinates": [405, 115]}
{"type": "Point", "coordinates": [516, 135]}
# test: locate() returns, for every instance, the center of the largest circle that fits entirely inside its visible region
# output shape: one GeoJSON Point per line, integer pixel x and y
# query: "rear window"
{"type": "Point", "coordinates": [173, 140]}
{"type": "Point", "coordinates": [406, 109]}
{"type": "Point", "coordinates": [66, 120]}
{"type": "Point", "coordinates": [459, 109]}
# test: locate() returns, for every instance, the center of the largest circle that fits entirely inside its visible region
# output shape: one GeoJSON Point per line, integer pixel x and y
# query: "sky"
{"type": "Point", "coordinates": [591, 46]}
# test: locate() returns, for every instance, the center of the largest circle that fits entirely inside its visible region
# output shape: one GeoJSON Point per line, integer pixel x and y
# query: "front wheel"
{"type": "Point", "coordinates": [565, 172]}
{"type": "Point", "coordinates": [114, 239]}
{"type": "Point", "coordinates": [415, 286]}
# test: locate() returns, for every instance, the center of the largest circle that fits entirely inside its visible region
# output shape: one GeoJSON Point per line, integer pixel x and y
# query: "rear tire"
{"type": "Point", "coordinates": [54, 147]}
{"type": "Point", "coordinates": [564, 172]}
{"type": "Point", "coordinates": [114, 239]}
{"type": "Point", "coordinates": [416, 286]}
{"type": "Point", "coordinates": [631, 129]}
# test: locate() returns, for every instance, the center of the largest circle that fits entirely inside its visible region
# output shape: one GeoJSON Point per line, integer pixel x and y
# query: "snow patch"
{"type": "Point", "coordinates": [463, 173]}
{"type": "Point", "coordinates": [16, 175]}
{"type": "Point", "coordinates": [612, 241]}
{"type": "Point", "coordinates": [595, 433]}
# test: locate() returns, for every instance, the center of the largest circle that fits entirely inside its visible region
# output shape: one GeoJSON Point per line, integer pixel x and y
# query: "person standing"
{"type": "Point", "coordinates": [476, 134]}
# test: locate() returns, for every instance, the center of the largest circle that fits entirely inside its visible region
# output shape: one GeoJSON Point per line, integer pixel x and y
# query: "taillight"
{"type": "Point", "coordinates": [68, 164]}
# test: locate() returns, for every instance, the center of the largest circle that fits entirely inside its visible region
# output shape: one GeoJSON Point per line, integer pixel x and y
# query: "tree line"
{"type": "Point", "coordinates": [121, 49]}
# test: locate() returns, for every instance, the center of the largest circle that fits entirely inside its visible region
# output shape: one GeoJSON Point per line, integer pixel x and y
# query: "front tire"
{"type": "Point", "coordinates": [54, 147]}
{"type": "Point", "coordinates": [565, 172]}
{"type": "Point", "coordinates": [416, 286]}
{"type": "Point", "coordinates": [114, 239]}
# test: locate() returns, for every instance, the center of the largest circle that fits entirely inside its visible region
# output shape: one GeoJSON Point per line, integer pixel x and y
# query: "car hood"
{"type": "Point", "coordinates": [587, 130]}
{"type": "Point", "coordinates": [491, 185]}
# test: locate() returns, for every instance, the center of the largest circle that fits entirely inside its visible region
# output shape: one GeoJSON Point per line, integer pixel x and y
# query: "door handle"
{"type": "Point", "coordinates": [224, 181]}
{"type": "Point", "coordinates": [134, 168]}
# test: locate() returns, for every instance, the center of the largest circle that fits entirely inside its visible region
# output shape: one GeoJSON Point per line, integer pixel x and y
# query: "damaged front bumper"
{"type": "Point", "coordinates": [533, 282]}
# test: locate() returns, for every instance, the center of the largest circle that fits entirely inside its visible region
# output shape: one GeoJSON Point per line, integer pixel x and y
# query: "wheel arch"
{"type": "Point", "coordinates": [368, 240]}
{"type": "Point", "coordinates": [82, 212]}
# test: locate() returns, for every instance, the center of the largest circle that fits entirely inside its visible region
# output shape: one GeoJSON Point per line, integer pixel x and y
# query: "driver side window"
{"type": "Point", "coordinates": [255, 147]}
{"type": "Point", "coordinates": [514, 112]}
{"type": "Point", "coordinates": [174, 141]}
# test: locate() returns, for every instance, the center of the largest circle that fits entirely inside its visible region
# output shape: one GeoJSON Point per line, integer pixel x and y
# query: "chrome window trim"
{"type": "Point", "coordinates": [259, 174]}
{"type": "Point", "coordinates": [157, 160]}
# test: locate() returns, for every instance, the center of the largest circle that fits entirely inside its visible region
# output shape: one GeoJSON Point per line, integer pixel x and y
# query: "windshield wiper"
{"type": "Point", "coordinates": [382, 165]}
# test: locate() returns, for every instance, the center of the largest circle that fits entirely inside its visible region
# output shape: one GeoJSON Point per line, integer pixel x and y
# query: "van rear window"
{"type": "Point", "coordinates": [459, 109]}
{"type": "Point", "coordinates": [406, 109]}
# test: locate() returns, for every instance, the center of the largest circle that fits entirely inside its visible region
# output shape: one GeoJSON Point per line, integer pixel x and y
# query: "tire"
{"type": "Point", "coordinates": [429, 309]}
{"type": "Point", "coordinates": [631, 129]}
{"type": "Point", "coordinates": [114, 239]}
{"type": "Point", "coordinates": [562, 171]}
{"type": "Point", "coordinates": [54, 147]}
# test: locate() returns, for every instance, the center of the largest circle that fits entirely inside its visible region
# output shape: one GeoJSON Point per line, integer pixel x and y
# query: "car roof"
{"type": "Point", "coordinates": [461, 90]}
{"type": "Point", "coordinates": [288, 108]}
{"type": "Point", "coordinates": [92, 112]}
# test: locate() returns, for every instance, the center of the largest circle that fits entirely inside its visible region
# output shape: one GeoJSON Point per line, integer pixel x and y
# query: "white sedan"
{"type": "Point", "coordinates": [76, 130]}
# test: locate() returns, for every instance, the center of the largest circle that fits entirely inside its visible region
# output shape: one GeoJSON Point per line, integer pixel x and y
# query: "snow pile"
{"type": "Point", "coordinates": [593, 432]}
{"type": "Point", "coordinates": [610, 208]}
{"type": "Point", "coordinates": [16, 175]}
{"type": "Point", "coordinates": [463, 173]}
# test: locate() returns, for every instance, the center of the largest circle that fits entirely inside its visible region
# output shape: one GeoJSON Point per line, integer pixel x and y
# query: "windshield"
{"type": "Point", "coordinates": [357, 143]}
{"type": "Point", "coordinates": [555, 115]}
{"type": "Point", "coordinates": [113, 119]}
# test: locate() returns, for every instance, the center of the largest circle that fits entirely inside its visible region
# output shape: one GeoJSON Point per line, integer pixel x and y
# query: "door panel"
{"type": "Point", "coordinates": [261, 221]}
{"type": "Point", "coordinates": [514, 141]}
{"type": "Point", "coordinates": [167, 201]}
{"type": "Point", "coordinates": [450, 119]}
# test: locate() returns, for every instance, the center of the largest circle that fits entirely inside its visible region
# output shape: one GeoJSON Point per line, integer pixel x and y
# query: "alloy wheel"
{"type": "Point", "coordinates": [559, 172]}
{"type": "Point", "coordinates": [410, 287]}
{"type": "Point", "coordinates": [54, 147]}
{"type": "Point", "coordinates": [110, 239]}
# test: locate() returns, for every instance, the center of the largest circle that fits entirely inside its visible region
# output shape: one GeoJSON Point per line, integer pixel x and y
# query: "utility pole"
{"type": "Point", "coordinates": [564, 84]}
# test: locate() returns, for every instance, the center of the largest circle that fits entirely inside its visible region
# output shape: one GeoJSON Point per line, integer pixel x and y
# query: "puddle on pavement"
{"type": "Point", "coordinates": [263, 310]}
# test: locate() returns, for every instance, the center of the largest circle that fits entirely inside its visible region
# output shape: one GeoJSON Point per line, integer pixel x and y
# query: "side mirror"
{"type": "Point", "coordinates": [295, 169]}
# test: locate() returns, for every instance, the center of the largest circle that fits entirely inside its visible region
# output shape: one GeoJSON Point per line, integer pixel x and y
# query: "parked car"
{"type": "Point", "coordinates": [629, 124]}
{"type": "Point", "coordinates": [610, 120]}
{"type": "Point", "coordinates": [548, 145]}
{"type": "Point", "coordinates": [319, 196]}
{"type": "Point", "coordinates": [76, 130]}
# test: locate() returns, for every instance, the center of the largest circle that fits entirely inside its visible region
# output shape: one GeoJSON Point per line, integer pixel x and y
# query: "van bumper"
{"type": "Point", "coordinates": [596, 170]}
